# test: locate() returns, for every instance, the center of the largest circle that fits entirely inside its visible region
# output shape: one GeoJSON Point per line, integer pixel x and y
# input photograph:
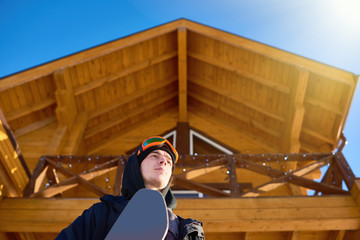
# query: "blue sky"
{"type": "Point", "coordinates": [328, 31]}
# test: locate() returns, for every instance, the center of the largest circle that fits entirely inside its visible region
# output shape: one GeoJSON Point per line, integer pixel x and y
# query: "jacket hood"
{"type": "Point", "coordinates": [133, 181]}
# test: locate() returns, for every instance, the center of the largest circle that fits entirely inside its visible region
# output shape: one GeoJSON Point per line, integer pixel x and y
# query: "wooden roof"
{"type": "Point", "coordinates": [248, 96]}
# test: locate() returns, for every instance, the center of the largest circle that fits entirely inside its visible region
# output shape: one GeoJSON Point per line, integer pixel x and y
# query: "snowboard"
{"type": "Point", "coordinates": [144, 217]}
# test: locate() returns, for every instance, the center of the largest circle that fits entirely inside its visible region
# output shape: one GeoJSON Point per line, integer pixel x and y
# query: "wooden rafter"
{"type": "Point", "coordinates": [12, 172]}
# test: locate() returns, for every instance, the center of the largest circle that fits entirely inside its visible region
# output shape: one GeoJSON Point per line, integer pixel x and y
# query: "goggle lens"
{"type": "Point", "coordinates": [154, 141]}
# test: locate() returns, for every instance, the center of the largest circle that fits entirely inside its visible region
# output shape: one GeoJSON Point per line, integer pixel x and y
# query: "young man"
{"type": "Point", "coordinates": [151, 166]}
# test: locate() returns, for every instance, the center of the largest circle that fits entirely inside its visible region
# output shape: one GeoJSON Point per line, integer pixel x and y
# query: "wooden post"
{"type": "Point", "coordinates": [295, 115]}
{"type": "Point", "coordinates": [234, 186]}
{"type": "Point", "coordinates": [182, 72]}
{"type": "Point", "coordinates": [183, 138]}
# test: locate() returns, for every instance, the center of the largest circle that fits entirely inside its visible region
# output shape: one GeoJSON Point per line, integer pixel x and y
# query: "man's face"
{"type": "Point", "coordinates": [156, 169]}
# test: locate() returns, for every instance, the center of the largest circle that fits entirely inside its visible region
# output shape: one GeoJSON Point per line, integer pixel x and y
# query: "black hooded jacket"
{"type": "Point", "coordinates": [96, 222]}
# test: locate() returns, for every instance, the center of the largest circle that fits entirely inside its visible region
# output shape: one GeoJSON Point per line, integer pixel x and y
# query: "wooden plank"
{"type": "Point", "coordinates": [327, 71]}
{"type": "Point", "coordinates": [87, 55]}
{"type": "Point", "coordinates": [306, 214]}
{"type": "Point", "coordinates": [241, 72]}
{"type": "Point", "coordinates": [282, 225]}
{"type": "Point", "coordinates": [182, 72]}
{"type": "Point", "coordinates": [237, 98]}
{"type": "Point", "coordinates": [131, 97]}
{"type": "Point", "coordinates": [130, 70]}
{"type": "Point", "coordinates": [240, 116]}
{"type": "Point", "coordinates": [108, 124]}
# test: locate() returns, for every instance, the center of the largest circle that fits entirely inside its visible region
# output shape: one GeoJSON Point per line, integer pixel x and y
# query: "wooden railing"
{"type": "Point", "coordinates": [56, 174]}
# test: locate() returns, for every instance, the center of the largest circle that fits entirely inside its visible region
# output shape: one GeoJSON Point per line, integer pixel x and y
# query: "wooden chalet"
{"type": "Point", "coordinates": [259, 131]}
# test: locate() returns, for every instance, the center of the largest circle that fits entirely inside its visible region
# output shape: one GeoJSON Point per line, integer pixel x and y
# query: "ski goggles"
{"type": "Point", "coordinates": [157, 141]}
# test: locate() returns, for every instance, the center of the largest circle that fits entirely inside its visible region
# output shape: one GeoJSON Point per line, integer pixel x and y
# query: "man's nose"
{"type": "Point", "coordinates": [162, 160]}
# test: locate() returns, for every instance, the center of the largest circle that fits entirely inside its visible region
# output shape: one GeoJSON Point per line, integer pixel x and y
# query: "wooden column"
{"type": "Point", "coordinates": [183, 138]}
{"type": "Point", "coordinates": [182, 73]}
{"type": "Point", "coordinates": [291, 136]}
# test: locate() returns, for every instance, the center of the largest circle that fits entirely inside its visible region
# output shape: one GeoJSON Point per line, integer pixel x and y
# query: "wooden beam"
{"type": "Point", "coordinates": [324, 105]}
{"type": "Point", "coordinates": [234, 186]}
{"type": "Point", "coordinates": [58, 141]}
{"type": "Point", "coordinates": [76, 135]}
{"type": "Point", "coordinates": [289, 177]}
{"type": "Point", "coordinates": [199, 187]}
{"type": "Point", "coordinates": [12, 172]}
{"type": "Point", "coordinates": [278, 182]}
{"type": "Point", "coordinates": [203, 169]}
{"type": "Point", "coordinates": [182, 72]}
{"type": "Point", "coordinates": [118, 178]}
{"type": "Point", "coordinates": [319, 136]}
{"type": "Point", "coordinates": [345, 170]}
{"type": "Point", "coordinates": [290, 137]}
{"type": "Point", "coordinates": [45, 103]}
{"type": "Point", "coordinates": [293, 235]}
{"type": "Point", "coordinates": [82, 181]}
{"type": "Point", "coordinates": [336, 235]}
{"type": "Point", "coordinates": [34, 126]}
{"type": "Point", "coordinates": [66, 110]}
